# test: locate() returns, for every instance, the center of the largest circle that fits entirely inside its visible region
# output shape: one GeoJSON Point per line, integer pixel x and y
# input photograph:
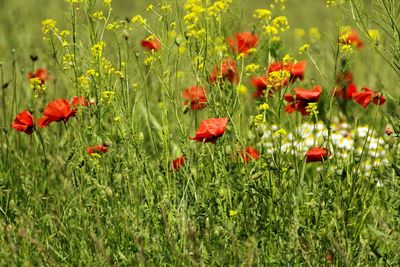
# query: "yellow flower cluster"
{"type": "Point", "coordinates": [92, 72]}
{"type": "Point", "coordinates": [314, 34]}
{"type": "Point", "coordinates": [346, 48]}
{"type": "Point", "coordinates": [374, 35]}
{"type": "Point", "coordinates": [67, 61]}
{"type": "Point", "coordinates": [37, 86]}
{"type": "Point", "coordinates": [97, 49]}
{"type": "Point", "coordinates": [281, 23]}
{"type": "Point", "coordinates": [299, 33]}
{"type": "Point", "coordinates": [259, 120]}
{"type": "Point", "coordinates": [194, 9]}
{"type": "Point", "coordinates": [288, 59]}
{"type": "Point", "coordinates": [108, 97]}
{"type": "Point", "coordinates": [262, 14]}
{"type": "Point", "coordinates": [278, 2]}
{"type": "Point", "coordinates": [270, 30]}
{"type": "Point", "coordinates": [280, 132]}
{"type": "Point", "coordinates": [75, 1]}
{"type": "Point", "coordinates": [304, 48]}
{"type": "Point", "coordinates": [83, 82]}
{"type": "Point", "coordinates": [263, 106]}
{"type": "Point", "coordinates": [149, 59]}
{"type": "Point", "coordinates": [138, 19]}
{"type": "Point", "coordinates": [198, 61]}
{"type": "Point", "coordinates": [166, 8]}
{"type": "Point", "coordinates": [98, 15]}
{"type": "Point", "coordinates": [221, 50]}
{"type": "Point", "coordinates": [49, 25]}
{"type": "Point", "coordinates": [242, 89]}
{"type": "Point", "coordinates": [312, 109]}
{"type": "Point", "coordinates": [334, 3]}
{"type": "Point", "coordinates": [251, 68]}
{"type": "Point", "coordinates": [107, 3]}
{"type": "Point", "coordinates": [271, 25]}
{"type": "Point", "coordinates": [218, 7]}
{"type": "Point", "coordinates": [278, 78]}
{"type": "Point", "coordinates": [108, 68]}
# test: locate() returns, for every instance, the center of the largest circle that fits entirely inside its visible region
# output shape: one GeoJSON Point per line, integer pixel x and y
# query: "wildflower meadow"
{"type": "Point", "coordinates": [200, 133]}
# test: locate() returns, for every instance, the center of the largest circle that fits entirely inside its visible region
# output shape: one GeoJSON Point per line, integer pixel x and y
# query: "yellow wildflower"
{"type": "Point", "coordinates": [108, 97]}
{"type": "Point", "coordinates": [138, 19]}
{"type": "Point", "coordinates": [263, 106]}
{"type": "Point", "coordinates": [374, 35]}
{"type": "Point", "coordinates": [314, 35]}
{"type": "Point", "coordinates": [270, 30]}
{"type": "Point", "coordinates": [49, 25]}
{"type": "Point", "coordinates": [299, 33]}
{"type": "Point", "coordinates": [304, 48]}
{"type": "Point", "coordinates": [281, 23]}
{"type": "Point", "coordinates": [262, 14]}
{"type": "Point", "coordinates": [37, 86]}
{"type": "Point", "coordinates": [251, 68]}
{"type": "Point", "coordinates": [280, 132]}
{"type": "Point", "coordinates": [242, 89]}
{"type": "Point", "coordinates": [97, 49]}
{"type": "Point", "coordinates": [312, 108]}
{"type": "Point", "coordinates": [233, 213]}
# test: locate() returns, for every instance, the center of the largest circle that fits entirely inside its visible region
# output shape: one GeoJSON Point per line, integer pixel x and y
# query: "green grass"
{"type": "Point", "coordinates": [61, 206]}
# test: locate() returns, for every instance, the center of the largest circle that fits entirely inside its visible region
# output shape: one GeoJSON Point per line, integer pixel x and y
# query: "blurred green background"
{"type": "Point", "coordinates": [20, 29]}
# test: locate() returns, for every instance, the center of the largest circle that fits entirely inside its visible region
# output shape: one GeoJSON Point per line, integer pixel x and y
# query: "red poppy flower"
{"type": "Point", "coordinates": [24, 122]}
{"type": "Point", "coordinates": [296, 69]}
{"type": "Point", "coordinates": [316, 154]}
{"type": "Point", "coordinates": [178, 163]}
{"type": "Point", "coordinates": [260, 83]}
{"type": "Point", "coordinates": [302, 98]}
{"type": "Point", "coordinates": [97, 149]}
{"type": "Point", "coordinates": [243, 42]}
{"type": "Point", "coordinates": [210, 130]}
{"type": "Point", "coordinates": [345, 87]}
{"type": "Point", "coordinates": [351, 38]}
{"type": "Point", "coordinates": [195, 96]}
{"type": "Point", "coordinates": [78, 101]}
{"type": "Point", "coordinates": [345, 93]}
{"type": "Point", "coordinates": [58, 110]}
{"type": "Point", "coordinates": [367, 96]}
{"type": "Point", "coordinates": [225, 71]}
{"type": "Point", "coordinates": [329, 258]}
{"type": "Point", "coordinates": [250, 153]}
{"type": "Point", "coordinates": [40, 73]}
{"type": "Point", "coordinates": [344, 77]}
{"type": "Point", "coordinates": [151, 43]}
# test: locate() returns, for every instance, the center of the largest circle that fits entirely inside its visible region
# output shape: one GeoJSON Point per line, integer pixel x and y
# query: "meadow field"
{"type": "Point", "coordinates": [200, 133]}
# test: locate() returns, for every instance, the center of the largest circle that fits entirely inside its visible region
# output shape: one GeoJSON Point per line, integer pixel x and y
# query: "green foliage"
{"type": "Point", "coordinates": [61, 204]}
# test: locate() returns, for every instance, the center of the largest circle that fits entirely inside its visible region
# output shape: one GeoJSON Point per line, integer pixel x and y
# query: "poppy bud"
{"type": "Point", "coordinates": [187, 35]}
{"type": "Point", "coordinates": [339, 172]}
{"type": "Point", "coordinates": [126, 35]}
{"type": "Point", "coordinates": [34, 57]}
{"type": "Point", "coordinates": [178, 41]}
{"type": "Point", "coordinates": [388, 130]}
{"type": "Point", "coordinates": [5, 85]}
